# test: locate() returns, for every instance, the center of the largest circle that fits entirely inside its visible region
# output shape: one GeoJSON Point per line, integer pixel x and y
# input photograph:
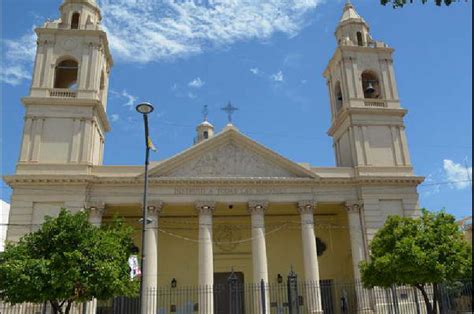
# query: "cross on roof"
{"type": "Point", "coordinates": [229, 109]}
{"type": "Point", "coordinates": [205, 112]}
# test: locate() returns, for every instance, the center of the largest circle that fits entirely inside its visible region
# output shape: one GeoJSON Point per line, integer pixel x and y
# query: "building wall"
{"type": "Point", "coordinates": [381, 202]}
{"type": "Point", "coordinates": [29, 205]}
{"type": "Point", "coordinates": [4, 214]}
{"type": "Point", "coordinates": [178, 242]}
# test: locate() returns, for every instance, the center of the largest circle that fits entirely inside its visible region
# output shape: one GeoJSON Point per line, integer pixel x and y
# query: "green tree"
{"type": "Point", "coordinates": [68, 260]}
{"type": "Point", "coordinates": [423, 251]}
{"type": "Point", "coordinates": [401, 3]}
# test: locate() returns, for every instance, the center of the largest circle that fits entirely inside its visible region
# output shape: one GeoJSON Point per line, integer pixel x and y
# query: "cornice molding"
{"type": "Point", "coordinates": [80, 102]}
{"type": "Point", "coordinates": [347, 112]}
{"type": "Point", "coordinates": [15, 180]}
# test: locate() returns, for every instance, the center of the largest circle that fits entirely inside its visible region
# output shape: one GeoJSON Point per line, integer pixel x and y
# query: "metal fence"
{"type": "Point", "coordinates": [285, 297]}
{"type": "Point", "coordinates": [294, 297]}
{"type": "Point", "coordinates": [32, 308]}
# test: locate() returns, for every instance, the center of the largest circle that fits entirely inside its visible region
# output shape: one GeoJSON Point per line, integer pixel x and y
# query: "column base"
{"type": "Point", "coordinates": [365, 311]}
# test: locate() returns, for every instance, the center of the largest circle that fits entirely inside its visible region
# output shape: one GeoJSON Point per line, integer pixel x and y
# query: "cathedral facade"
{"type": "Point", "coordinates": [227, 205]}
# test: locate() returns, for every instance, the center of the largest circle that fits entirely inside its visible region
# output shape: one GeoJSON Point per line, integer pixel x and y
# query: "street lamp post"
{"type": "Point", "coordinates": [144, 109]}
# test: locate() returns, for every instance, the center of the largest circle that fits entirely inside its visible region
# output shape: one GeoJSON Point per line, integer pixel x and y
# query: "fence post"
{"type": "Point", "coordinates": [44, 307]}
{"type": "Point", "coordinates": [233, 293]}
{"type": "Point", "coordinates": [262, 297]}
{"type": "Point", "coordinates": [395, 299]}
{"type": "Point", "coordinates": [293, 302]}
{"type": "Point", "coordinates": [417, 302]}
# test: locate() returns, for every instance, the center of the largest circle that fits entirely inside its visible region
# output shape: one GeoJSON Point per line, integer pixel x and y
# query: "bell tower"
{"type": "Point", "coordinates": [65, 120]}
{"type": "Point", "coordinates": [367, 120]}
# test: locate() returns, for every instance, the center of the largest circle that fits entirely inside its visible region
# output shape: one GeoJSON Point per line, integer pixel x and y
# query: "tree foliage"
{"type": "Point", "coordinates": [418, 252]}
{"type": "Point", "coordinates": [401, 3]}
{"type": "Point", "coordinates": [68, 260]}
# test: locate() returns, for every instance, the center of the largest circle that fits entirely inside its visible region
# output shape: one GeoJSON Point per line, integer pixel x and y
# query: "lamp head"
{"type": "Point", "coordinates": [144, 108]}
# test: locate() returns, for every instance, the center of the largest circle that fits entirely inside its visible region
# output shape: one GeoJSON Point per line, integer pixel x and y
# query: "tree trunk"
{"type": "Point", "coordinates": [435, 298]}
{"type": "Point", "coordinates": [55, 306]}
{"type": "Point", "coordinates": [429, 308]}
{"type": "Point", "coordinates": [439, 297]}
{"type": "Point", "coordinates": [68, 307]}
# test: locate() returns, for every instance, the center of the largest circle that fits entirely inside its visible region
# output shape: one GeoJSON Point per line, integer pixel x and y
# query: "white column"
{"type": "Point", "coordinates": [96, 211]}
{"type": "Point", "coordinates": [310, 257]}
{"type": "Point", "coordinates": [358, 254]}
{"type": "Point", "coordinates": [150, 273]}
{"type": "Point", "coordinates": [206, 258]}
{"type": "Point", "coordinates": [259, 253]}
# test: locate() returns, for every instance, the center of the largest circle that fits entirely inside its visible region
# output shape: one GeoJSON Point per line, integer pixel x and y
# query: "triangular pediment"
{"type": "Point", "coordinates": [230, 154]}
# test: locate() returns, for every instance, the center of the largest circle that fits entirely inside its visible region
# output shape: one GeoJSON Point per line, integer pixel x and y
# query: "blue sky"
{"type": "Point", "coordinates": [266, 57]}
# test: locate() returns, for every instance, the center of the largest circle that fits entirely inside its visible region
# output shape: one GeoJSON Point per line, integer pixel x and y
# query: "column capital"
{"type": "Point", "coordinates": [205, 207]}
{"type": "Point", "coordinates": [154, 207]}
{"type": "Point", "coordinates": [259, 206]}
{"type": "Point", "coordinates": [306, 206]}
{"type": "Point", "coordinates": [354, 206]}
{"type": "Point", "coordinates": [95, 207]}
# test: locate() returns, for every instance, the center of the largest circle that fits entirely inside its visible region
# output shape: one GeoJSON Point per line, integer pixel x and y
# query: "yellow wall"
{"type": "Point", "coordinates": [178, 246]}
{"type": "Point", "coordinates": [284, 248]}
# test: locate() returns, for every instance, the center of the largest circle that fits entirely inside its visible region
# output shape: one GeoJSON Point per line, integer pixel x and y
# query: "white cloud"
{"type": "Point", "coordinates": [114, 117]}
{"type": "Point", "coordinates": [149, 30]}
{"type": "Point", "coordinates": [255, 71]}
{"type": "Point", "coordinates": [130, 100]}
{"type": "Point", "coordinates": [196, 83]}
{"type": "Point", "coordinates": [431, 180]}
{"type": "Point", "coordinates": [14, 74]}
{"type": "Point", "coordinates": [458, 174]}
{"type": "Point", "coordinates": [17, 59]}
{"type": "Point", "coordinates": [278, 77]}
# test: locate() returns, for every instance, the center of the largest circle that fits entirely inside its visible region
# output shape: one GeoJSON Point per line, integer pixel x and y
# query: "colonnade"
{"type": "Point", "coordinates": [257, 211]}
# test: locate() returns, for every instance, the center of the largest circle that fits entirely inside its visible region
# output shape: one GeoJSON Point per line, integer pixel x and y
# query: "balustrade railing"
{"type": "Point", "coordinates": [62, 93]}
{"type": "Point", "coordinates": [377, 103]}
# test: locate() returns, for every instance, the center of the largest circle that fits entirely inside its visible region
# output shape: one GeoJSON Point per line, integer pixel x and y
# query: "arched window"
{"type": "Point", "coordinates": [205, 134]}
{"type": "Point", "coordinates": [338, 96]}
{"type": "Point", "coordinates": [360, 42]}
{"type": "Point", "coordinates": [75, 20]}
{"type": "Point", "coordinates": [370, 85]}
{"type": "Point", "coordinates": [66, 74]}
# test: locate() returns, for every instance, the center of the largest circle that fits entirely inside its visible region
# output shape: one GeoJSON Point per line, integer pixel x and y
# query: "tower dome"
{"type": "Point", "coordinates": [205, 129]}
{"type": "Point", "coordinates": [80, 14]}
{"type": "Point", "coordinates": [352, 29]}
